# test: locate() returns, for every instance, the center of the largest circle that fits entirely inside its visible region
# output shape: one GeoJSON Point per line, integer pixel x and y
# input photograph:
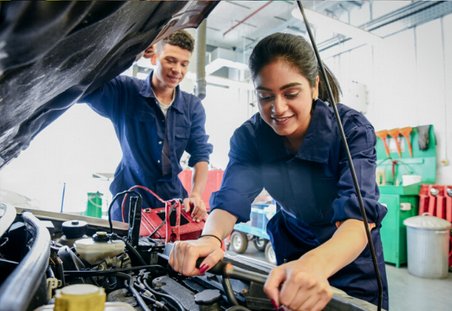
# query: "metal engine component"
{"type": "Point", "coordinates": [122, 261]}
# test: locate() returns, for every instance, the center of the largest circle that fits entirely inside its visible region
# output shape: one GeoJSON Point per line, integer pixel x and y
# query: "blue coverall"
{"type": "Point", "coordinates": [313, 189]}
{"type": "Point", "coordinates": [142, 131]}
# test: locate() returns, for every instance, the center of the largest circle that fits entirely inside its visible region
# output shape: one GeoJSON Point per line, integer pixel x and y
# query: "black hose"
{"type": "Point", "coordinates": [349, 158]}
{"type": "Point", "coordinates": [155, 303]}
{"type": "Point", "coordinates": [117, 195]}
{"type": "Point", "coordinates": [76, 273]}
{"type": "Point", "coordinates": [130, 248]}
{"type": "Point", "coordinates": [157, 293]}
{"type": "Point", "coordinates": [229, 291]}
{"type": "Point", "coordinates": [142, 286]}
{"type": "Point", "coordinates": [245, 275]}
{"type": "Point", "coordinates": [132, 289]}
{"type": "Point", "coordinates": [134, 252]}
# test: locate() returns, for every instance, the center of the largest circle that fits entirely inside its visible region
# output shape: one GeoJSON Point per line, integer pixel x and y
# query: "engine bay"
{"type": "Point", "coordinates": [40, 256]}
{"type": "Point", "coordinates": [46, 255]}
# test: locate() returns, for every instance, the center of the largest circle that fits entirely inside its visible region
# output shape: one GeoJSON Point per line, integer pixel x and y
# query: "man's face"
{"type": "Point", "coordinates": [171, 65]}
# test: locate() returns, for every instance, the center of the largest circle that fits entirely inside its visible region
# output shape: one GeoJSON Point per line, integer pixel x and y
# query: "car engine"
{"type": "Point", "coordinates": [39, 256]}
{"type": "Point", "coordinates": [44, 254]}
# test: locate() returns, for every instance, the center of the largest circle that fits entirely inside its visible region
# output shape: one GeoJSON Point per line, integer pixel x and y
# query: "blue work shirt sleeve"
{"type": "Point", "coordinates": [361, 139]}
{"type": "Point", "coordinates": [106, 100]}
{"type": "Point", "coordinates": [242, 180]}
{"type": "Point", "coordinates": [198, 147]}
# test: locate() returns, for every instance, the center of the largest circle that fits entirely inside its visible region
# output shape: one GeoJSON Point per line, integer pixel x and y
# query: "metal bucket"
{"type": "Point", "coordinates": [428, 246]}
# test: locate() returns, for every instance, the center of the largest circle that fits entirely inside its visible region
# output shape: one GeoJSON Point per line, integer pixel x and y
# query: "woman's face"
{"type": "Point", "coordinates": [285, 99]}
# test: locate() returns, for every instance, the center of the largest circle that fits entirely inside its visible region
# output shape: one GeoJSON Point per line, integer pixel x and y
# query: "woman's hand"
{"type": "Point", "coordinates": [184, 255]}
{"type": "Point", "coordinates": [299, 285]}
{"type": "Point", "coordinates": [303, 284]}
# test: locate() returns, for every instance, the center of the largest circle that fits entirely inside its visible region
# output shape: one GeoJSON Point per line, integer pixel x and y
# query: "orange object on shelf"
{"type": "Point", "coordinates": [406, 133]}
{"type": "Point", "coordinates": [395, 134]}
{"type": "Point", "coordinates": [383, 134]}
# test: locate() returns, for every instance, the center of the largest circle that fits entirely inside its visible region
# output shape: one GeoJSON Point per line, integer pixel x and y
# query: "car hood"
{"type": "Point", "coordinates": [52, 53]}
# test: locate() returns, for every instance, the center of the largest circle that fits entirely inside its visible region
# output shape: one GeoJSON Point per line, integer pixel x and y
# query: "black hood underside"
{"type": "Point", "coordinates": [52, 53]}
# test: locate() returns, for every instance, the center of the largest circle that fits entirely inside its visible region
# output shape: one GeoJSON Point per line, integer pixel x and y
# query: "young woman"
{"type": "Point", "coordinates": [292, 148]}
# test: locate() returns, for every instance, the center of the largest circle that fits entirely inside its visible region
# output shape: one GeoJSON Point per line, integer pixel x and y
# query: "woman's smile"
{"type": "Point", "coordinates": [285, 99]}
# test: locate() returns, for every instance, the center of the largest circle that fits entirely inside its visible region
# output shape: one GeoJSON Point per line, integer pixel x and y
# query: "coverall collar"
{"type": "Point", "coordinates": [147, 91]}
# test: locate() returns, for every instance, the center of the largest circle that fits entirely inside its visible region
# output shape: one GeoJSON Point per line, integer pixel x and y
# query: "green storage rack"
{"type": "Point", "coordinates": [402, 201]}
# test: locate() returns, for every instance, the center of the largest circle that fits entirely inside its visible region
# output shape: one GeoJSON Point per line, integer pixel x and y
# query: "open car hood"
{"type": "Point", "coordinates": [51, 53]}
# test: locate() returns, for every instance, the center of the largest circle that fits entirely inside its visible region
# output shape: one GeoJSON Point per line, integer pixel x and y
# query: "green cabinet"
{"type": "Point", "coordinates": [397, 157]}
{"type": "Point", "coordinates": [402, 203]}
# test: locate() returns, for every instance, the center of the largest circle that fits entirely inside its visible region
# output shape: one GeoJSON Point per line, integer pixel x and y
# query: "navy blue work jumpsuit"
{"type": "Point", "coordinates": [313, 189]}
{"type": "Point", "coordinates": [142, 131]}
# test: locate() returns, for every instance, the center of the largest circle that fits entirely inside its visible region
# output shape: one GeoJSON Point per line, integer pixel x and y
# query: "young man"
{"type": "Point", "coordinates": [155, 123]}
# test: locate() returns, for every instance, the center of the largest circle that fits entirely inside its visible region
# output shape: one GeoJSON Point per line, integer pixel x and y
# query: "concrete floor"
{"type": "Point", "coordinates": [406, 292]}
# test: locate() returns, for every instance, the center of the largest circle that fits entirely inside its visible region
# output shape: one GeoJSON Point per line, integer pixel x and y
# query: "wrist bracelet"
{"type": "Point", "coordinates": [213, 236]}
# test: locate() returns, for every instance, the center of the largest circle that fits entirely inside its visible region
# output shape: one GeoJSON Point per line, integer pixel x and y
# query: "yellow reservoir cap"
{"type": "Point", "coordinates": [80, 297]}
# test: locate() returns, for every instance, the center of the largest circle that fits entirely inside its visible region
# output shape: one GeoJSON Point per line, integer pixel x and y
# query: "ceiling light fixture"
{"type": "Point", "coordinates": [337, 26]}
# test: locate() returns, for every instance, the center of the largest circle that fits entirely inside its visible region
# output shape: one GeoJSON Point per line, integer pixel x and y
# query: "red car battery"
{"type": "Point", "coordinates": [170, 223]}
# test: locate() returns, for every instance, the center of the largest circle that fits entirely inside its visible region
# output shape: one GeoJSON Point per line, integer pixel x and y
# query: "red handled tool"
{"type": "Point", "coordinates": [433, 194]}
{"type": "Point", "coordinates": [448, 195]}
{"type": "Point", "coordinates": [423, 199]}
{"type": "Point", "coordinates": [441, 203]}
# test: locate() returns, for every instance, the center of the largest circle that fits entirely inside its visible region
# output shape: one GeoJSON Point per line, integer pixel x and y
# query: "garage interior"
{"type": "Point", "coordinates": [394, 62]}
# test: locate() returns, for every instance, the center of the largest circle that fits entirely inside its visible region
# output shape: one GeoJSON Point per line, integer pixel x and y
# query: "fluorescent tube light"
{"type": "Point", "coordinates": [336, 26]}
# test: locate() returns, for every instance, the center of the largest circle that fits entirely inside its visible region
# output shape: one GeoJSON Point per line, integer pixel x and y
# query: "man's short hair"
{"type": "Point", "coordinates": [180, 38]}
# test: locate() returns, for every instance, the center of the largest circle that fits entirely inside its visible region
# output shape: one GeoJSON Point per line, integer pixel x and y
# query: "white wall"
{"type": "Point", "coordinates": [68, 151]}
{"type": "Point", "coordinates": [226, 109]}
{"type": "Point", "coordinates": [81, 143]}
{"type": "Point", "coordinates": [409, 77]}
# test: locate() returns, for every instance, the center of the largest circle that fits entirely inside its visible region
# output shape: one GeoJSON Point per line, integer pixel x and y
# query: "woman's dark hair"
{"type": "Point", "coordinates": [296, 51]}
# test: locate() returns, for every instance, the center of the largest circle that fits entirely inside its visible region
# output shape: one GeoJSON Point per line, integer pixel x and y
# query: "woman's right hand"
{"type": "Point", "coordinates": [184, 255]}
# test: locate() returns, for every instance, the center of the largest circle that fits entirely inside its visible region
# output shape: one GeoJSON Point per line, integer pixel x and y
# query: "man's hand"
{"type": "Point", "coordinates": [195, 204]}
